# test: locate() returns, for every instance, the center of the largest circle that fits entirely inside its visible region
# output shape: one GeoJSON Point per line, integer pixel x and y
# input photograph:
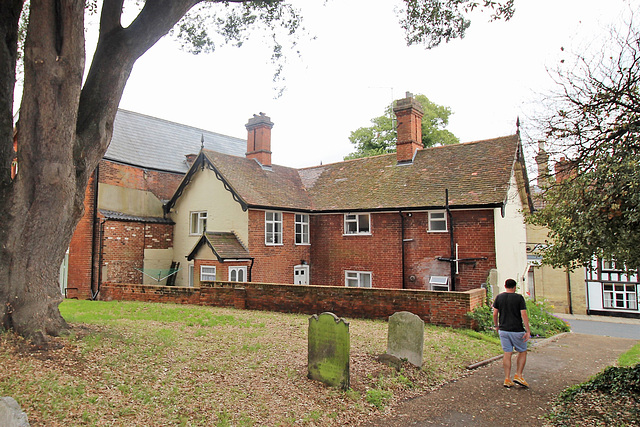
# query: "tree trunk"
{"type": "Point", "coordinates": [63, 131]}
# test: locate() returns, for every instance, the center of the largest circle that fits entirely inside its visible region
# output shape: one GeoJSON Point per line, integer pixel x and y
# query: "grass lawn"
{"type": "Point", "coordinates": [128, 363]}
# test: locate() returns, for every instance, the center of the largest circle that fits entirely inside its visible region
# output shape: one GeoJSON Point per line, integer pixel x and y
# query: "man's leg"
{"type": "Point", "coordinates": [506, 364]}
{"type": "Point", "coordinates": [521, 360]}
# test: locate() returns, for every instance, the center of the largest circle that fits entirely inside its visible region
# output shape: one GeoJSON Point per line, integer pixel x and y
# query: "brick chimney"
{"type": "Point", "coordinates": [409, 113]}
{"type": "Point", "coordinates": [259, 139]}
{"type": "Point", "coordinates": [542, 159]}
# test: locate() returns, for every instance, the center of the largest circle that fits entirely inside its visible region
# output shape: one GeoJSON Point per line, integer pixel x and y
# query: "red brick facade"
{"type": "Point", "coordinates": [124, 241]}
{"type": "Point", "coordinates": [438, 308]}
{"type": "Point", "coordinates": [274, 264]}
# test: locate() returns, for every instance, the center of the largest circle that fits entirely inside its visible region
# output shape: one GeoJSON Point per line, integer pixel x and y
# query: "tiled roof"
{"type": "Point", "coordinates": [475, 173]}
{"type": "Point", "coordinates": [155, 143]}
{"type": "Point", "coordinates": [224, 245]}
{"type": "Point", "coordinates": [279, 186]}
{"type": "Point", "coordinates": [119, 216]}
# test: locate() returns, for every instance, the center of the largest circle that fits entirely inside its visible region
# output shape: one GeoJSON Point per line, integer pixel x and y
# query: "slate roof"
{"type": "Point", "coordinates": [159, 144]}
{"type": "Point", "coordinates": [119, 216]}
{"type": "Point", "coordinates": [477, 174]}
{"type": "Point", "coordinates": [225, 245]}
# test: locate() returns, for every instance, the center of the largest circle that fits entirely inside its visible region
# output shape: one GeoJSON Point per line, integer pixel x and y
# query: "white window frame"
{"type": "Point", "coordinates": [197, 223]}
{"type": "Point", "coordinates": [438, 217]}
{"type": "Point", "coordinates": [236, 270]}
{"type": "Point", "coordinates": [627, 296]}
{"type": "Point", "coordinates": [357, 279]}
{"type": "Point", "coordinates": [207, 276]}
{"type": "Point", "coordinates": [357, 224]}
{"type": "Point", "coordinates": [302, 229]}
{"type": "Point", "coordinates": [273, 228]}
{"type": "Point", "coordinates": [192, 269]}
{"type": "Point", "coordinates": [439, 283]}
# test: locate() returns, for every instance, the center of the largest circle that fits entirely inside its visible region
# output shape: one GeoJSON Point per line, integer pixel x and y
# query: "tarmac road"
{"type": "Point", "coordinates": [604, 326]}
{"type": "Point", "coordinates": [479, 399]}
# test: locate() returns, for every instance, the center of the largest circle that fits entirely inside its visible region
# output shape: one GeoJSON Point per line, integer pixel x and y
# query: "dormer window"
{"type": "Point", "coordinates": [357, 224]}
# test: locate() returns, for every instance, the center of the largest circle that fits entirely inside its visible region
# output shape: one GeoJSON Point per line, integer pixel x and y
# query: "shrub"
{"type": "Point", "coordinates": [542, 322]}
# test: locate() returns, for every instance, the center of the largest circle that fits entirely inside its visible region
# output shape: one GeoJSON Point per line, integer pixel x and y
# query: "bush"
{"type": "Point", "coordinates": [542, 322]}
{"type": "Point", "coordinates": [616, 380]}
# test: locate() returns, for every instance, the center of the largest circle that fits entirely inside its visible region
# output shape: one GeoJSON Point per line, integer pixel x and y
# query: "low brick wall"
{"type": "Point", "coordinates": [438, 308]}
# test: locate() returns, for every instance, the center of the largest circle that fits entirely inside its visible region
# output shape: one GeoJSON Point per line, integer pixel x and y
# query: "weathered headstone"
{"type": "Point", "coordinates": [406, 337]}
{"type": "Point", "coordinates": [10, 413]}
{"type": "Point", "coordinates": [329, 350]}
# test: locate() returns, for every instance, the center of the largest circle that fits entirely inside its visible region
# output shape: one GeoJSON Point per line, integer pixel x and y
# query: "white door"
{"type": "Point", "coordinates": [64, 271]}
{"type": "Point", "coordinates": [301, 275]}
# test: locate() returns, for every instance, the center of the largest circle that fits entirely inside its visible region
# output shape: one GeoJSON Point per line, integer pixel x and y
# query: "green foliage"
{"type": "Point", "coordinates": [446, 18]}
{"type": "Point", "coordinates": [542, 322]}
{"type": "Point", "coordinates": [381, 137]}
{"type": "Point", "coordinates": [378, 398]}
{"type": "Point", "coordinates": [592, 209]}
{"type": "Point", "coordinates": [616, 380]}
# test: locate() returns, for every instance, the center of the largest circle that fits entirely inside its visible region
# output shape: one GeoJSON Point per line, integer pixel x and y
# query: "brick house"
{"type": "Point", "coordinates": [124, 229]}
{"type": "Point", "coordinates": [442, 218]}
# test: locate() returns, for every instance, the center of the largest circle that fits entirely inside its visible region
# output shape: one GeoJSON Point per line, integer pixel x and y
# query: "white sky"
{"type": "Point", "coordinates": [357, 64]}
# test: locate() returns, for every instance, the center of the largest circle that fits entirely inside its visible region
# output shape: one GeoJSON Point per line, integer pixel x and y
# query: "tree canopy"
{"type": "Point", "coordinates": [592, 204]}
{"type": "Point", "coordinates": [66, 121]}
{"type": "Point", "coordinates": [381, 137]}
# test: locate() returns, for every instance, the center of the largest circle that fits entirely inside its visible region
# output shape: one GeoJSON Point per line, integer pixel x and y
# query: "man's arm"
{"type": "Point", "coordinates": [495, 318]}
{"type": "Point", "coordinates": [525, 320]}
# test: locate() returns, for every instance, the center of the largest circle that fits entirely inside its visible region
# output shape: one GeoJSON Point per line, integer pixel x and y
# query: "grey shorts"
{"type": "Point", "coordinates": [511, 340]}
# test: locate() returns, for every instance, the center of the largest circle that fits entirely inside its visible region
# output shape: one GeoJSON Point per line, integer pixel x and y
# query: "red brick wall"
{"type": "Point", "coordinates": [123, 248]}
{"type": "Point", "coordinates": [222, 268]}
{"type": "Point", "coordinates": [380, 252]}
{"type": "Point", "coordinates": [439, 308]}
{"type": "Point", "coordinates": [80, 254]}
{"type": "Point", "coordinates": [275, 263]}
{"type": "Point", "coordinates": [162, 184]}
{"type": "Point", "coordinates": [473, 232]}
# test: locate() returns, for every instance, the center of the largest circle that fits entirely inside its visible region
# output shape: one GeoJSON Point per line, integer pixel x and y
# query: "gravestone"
{"type": "Point", "coordinates": [329, 350]}
{"type": "Point", "coordinates": [10, 413]}
{"type": "Point", "coordinates": [406, 337]}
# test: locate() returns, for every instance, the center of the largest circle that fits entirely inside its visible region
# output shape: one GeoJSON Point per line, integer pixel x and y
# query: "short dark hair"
{"type": "Point", "coordinates": [510, 283]}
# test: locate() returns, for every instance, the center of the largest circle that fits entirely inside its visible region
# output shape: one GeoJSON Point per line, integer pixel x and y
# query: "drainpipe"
{"type": "Point", "coordinates": [250, 270]}
{"type": "Point", "coordinates": [95, 296]}
{"type": "Point", "coordinates": [451, 242]}
{"type": "Point", "coordinates": [94, 221]}
{"type": "Point", "coordinates": [569, 290]}
{"type": "Point", "coordinates": [402, 245]}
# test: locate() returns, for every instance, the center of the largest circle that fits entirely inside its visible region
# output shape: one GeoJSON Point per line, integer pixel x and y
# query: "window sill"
{"type": "Point", "coordinates": [357, 234]}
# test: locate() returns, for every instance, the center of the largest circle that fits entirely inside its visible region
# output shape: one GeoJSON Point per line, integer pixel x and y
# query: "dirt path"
{"type": "Point", "coordinates": [480, 399]}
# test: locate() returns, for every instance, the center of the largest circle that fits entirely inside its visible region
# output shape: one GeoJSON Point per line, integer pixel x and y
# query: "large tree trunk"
{"type": "Point", "coordinates": [63, 131]}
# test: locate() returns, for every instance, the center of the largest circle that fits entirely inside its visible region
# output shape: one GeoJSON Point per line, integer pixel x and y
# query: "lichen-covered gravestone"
{"type": "Point", "coordinates": [329, 350]}
{"type": "Point", "coordinates": [406, 337]}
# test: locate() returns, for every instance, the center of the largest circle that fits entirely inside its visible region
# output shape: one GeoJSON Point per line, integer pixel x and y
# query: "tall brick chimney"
{"type": "Point", "coordinates": [259, 139]}
{"type": "Point", "coordinates": [409, 113]}
{"type": "Point", "coordinates": [542, 159]}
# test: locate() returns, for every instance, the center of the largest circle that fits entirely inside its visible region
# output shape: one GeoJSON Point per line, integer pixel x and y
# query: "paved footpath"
{"type": "Point", "coordinates": [479, 399]}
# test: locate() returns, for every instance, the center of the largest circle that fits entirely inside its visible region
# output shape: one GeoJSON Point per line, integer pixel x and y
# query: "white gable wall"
{"type": "Point", "coordinates": [511, 237]}
{"type": "Point", "coordinates": [205, 193]}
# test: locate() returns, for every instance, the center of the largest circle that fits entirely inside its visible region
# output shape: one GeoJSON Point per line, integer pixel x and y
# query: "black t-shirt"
{"type": "Point", "coordinates": [509, 305]}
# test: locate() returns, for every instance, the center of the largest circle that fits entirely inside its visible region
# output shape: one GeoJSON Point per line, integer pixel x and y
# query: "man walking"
{"type": "Point", "coordinates": [509, 314]}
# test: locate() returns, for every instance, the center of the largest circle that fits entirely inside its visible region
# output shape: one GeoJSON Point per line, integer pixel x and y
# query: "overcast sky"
{"type": "Point", "coordinates": [358, 63]}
